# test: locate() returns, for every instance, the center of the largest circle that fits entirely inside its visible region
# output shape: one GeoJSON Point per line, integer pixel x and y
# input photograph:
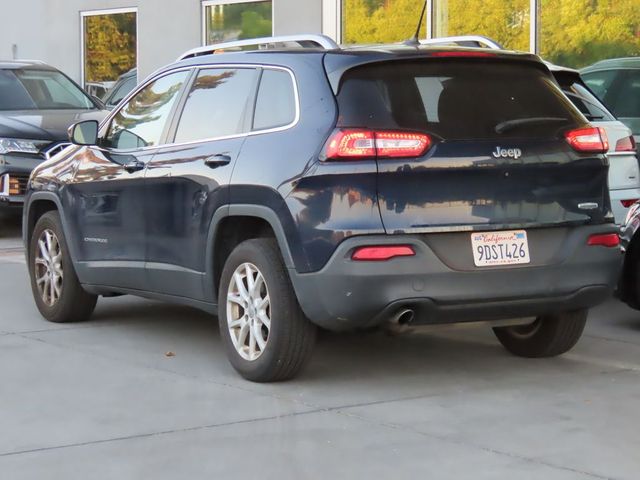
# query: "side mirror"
{"type": "Point", "coordinates": [84, 133]}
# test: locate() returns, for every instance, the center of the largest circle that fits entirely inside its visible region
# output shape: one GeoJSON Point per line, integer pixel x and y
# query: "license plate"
{"type": "Point", "coordinates": [500, 248]}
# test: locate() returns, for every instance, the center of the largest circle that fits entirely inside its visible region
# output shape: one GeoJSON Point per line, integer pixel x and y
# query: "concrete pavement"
{"type": "Point", "coordinates": [101, 400]}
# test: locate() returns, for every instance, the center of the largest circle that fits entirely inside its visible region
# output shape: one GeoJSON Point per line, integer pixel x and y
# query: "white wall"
{"type": "Point", "coordinates": [49, 30]}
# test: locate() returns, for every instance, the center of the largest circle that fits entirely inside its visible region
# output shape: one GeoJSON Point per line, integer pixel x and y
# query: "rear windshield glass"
{"type": "Point", "coordinates": [30, 89]}
{"type": "Point", "coordinates": [582, 97]}
{"type": "Point", "coordinates": [456, 99]}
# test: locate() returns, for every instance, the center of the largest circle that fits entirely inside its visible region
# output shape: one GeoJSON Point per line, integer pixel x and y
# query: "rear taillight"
{"type": "Point", "coordinates": [353, 144]}
{"type": "Point", "coordinates": [382, 252]}
{"type": "Point", "coordinates": [604, 240]}
{"type": "Point", "coordinates": [628, 203]}
{"type": "Point", "coordinates": [588, 140]}
{"type": "Point", "coordinates": [627, 144]}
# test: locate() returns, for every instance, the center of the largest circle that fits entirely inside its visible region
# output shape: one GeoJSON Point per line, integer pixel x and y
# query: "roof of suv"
{"type": "Point", "coordinates": [22, 64]}
{"type": "Point", "coordinates": [613, 63]}
{"type": "Point", "coordinates": [339, 60]}
{"type": "Point", "coordinates": [352, 55]}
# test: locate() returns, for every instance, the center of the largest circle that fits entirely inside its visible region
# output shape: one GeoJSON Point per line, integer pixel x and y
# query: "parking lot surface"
{"type": "Point", "coordinates": [144, 391]}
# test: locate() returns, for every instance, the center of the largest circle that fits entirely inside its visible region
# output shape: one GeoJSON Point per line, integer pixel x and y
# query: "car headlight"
{"type": "Point", "coordinates": [17, 145]}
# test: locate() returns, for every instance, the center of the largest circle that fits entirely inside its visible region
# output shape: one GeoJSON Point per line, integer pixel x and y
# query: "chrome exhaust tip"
{"type": "Point", "coordinates": [404, 316]}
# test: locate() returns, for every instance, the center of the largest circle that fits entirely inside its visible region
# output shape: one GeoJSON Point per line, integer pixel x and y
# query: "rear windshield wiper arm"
{"type": "Point", "coordinates": [519, 122]}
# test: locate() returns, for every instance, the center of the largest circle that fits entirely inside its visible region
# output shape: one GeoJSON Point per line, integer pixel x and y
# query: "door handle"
{"type": "Point", "coordinates": [133, 166]}
{"type": "Point", "coordinates": [218, 160]}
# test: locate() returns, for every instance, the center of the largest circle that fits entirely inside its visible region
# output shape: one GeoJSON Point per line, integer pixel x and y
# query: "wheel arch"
{"type": "Point", "coordinates": [37, 205]}
{"type": "Point", "coordinates": [261, 216]}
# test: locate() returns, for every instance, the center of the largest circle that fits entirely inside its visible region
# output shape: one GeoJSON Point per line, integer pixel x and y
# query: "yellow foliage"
{"type": "Point", "coordinates": [110, 46]}
{"type": "Point", "coordinates": [571, 32]}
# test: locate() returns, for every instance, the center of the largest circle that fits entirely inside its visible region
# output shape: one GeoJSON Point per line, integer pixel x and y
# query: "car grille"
{"type": "Point", "coordinates": [13, 185]}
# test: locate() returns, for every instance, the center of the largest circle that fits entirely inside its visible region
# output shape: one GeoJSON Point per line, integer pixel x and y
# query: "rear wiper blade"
{"type": "Point", "coordinates": [519, 122]}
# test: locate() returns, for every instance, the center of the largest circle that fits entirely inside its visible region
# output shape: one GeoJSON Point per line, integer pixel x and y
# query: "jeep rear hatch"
{"type": "Point", "coordinates": [468, 143]}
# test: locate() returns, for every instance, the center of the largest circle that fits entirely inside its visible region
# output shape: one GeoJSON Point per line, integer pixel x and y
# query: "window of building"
{"type": "Point", "coordinates": [217, 104]}
{"type": "Point", "coordinates": [507, 22]}
{"type": "Point", "coordinates": [380, 21]}
{"type": "Point", "coordinates": [230, 20]}
{"type": "Point", "coordinates": [576, 35]}
{"type": "Point", "coordinates": [276, 103]}
{"type": "Point", "coordinates": [142, 120]}
{"type": "Point", "coordinates": [565, 32]}
{"type": "Point", "coordinates": [109, 47]}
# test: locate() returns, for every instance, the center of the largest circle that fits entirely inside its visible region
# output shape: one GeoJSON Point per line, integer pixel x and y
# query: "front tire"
{"type": "Point", "coordinates": [548, 336]}
{"type": "Point", "coordinates": [56, 290]}
{"type": "Point", "coordinates": [265, 333]}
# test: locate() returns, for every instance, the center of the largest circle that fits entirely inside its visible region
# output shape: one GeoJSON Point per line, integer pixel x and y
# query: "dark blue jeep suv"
{"type": "Point", "coordinates": [288, 188]}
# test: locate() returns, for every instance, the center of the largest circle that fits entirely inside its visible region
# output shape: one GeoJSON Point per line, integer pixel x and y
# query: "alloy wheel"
{"type": "Point", "coordinates": [248, 311]}
{"type": "Point", "coordinates": [48, 267]}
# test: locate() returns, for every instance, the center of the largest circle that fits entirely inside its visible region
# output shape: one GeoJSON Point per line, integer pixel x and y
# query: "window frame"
{"type": "Point", "coordinates": [106, 125]}
{"type": "Point", "coordinates": [209, 3]}
{"type": "Point", "coordinates": [250, 112]}
{"type": "Point", "coordinates": [168, 137]}
{"type": "Point", "coordinates": [107, 11]}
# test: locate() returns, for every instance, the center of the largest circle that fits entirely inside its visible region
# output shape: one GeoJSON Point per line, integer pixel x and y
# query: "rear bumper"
{"type": "Point", "coordinates": [619, 210]}
{"type": "Point", "coordinates": [441, 284]}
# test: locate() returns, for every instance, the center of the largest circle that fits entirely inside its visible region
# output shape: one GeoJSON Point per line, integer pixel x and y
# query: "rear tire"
{"type": "Point", "coordinates": [56, 290]}
{"type": "Point", "coordinates": [548, 336]}
{"type": "Point", "coordinates": [265, 333]}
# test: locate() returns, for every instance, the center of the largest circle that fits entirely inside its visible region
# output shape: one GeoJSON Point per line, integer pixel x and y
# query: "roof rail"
{"type": "Point", "coordinates": [264, 43]}
{"type": "Point", "coordinates": [479, 41]}
{"type": "Point", "coordinates": [28, 60]}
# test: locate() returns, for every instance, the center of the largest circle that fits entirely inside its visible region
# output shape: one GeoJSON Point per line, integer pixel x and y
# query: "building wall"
{"type": "Point", "coordinates": [49, 30]}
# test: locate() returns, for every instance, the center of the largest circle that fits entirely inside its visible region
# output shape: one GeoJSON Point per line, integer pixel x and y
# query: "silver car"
{"type": "Point", "coordinates": [624, 170]}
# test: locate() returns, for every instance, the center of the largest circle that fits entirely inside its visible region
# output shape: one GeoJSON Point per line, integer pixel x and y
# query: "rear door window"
{"type": "Point", "coordinates": [456, 99]}
{"type": "Point", "coordinates": [586, 102]}
{"type": "Point", "coordinates": [217, 104]}
{"type": "Point", "coordinates": [627, 98]}
{"type": "Point", "coordinates": [599, 82]}
{"type": "Point", "coordinates": [276, 102]}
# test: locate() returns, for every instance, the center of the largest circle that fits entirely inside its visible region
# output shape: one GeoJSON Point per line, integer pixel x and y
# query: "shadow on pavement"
{"type": "Point", "coordinates": [10, 225]}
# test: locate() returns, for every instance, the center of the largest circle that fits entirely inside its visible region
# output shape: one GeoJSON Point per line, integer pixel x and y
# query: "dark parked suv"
{"type": "Point", "coordinates": [286, 188]}
{"type": "Point", "coordinates": [37, 105]}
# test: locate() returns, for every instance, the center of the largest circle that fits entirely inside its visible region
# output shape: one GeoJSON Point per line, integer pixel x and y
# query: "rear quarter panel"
{"type": "Point", "coordinates": [317, 204]}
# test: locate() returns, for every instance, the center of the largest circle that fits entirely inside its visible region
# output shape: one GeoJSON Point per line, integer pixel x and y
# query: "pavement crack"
{"type": "Point", "coordinates": [157, 433]}
{"type": "Point", "coordinates": [609, 339]}
{"type": "Point", "coordinates": [484, 448]}
{"type": "Point", "coordinates": [146, 366]}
